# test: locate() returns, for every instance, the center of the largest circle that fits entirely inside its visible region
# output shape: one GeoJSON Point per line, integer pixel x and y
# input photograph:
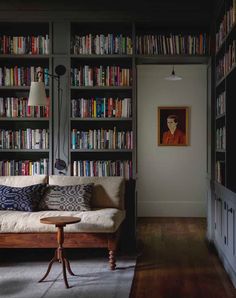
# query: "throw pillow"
{"type": "Point", "coordinates": [68, 198]}
{"type": "Point", "coordinates": [21, 198]}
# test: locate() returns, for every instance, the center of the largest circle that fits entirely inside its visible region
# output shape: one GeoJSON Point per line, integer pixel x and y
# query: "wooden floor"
{"type": "Point", "coordinates": [176, 262]}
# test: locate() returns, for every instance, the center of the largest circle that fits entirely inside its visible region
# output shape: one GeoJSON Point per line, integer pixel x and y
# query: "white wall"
{"type": "Point", "coordinates": [171, 180]}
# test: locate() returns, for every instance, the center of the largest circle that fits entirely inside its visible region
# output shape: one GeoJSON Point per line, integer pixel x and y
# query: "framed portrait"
{"type": "Point", "coordinates": [173, 126]}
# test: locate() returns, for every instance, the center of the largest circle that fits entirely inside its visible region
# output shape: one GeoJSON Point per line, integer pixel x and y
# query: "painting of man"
{"type": "Point", "coordinates": [173, 123]}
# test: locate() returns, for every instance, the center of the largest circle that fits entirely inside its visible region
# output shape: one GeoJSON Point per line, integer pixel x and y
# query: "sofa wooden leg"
{"type": "Point", "coordinates": [112, 259]}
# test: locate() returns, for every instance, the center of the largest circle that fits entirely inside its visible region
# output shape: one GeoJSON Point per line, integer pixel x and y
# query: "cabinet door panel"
{"type": "Point", "coordinates": [231, 230]}
{"type": "Point", "coordinates": [218, 217]}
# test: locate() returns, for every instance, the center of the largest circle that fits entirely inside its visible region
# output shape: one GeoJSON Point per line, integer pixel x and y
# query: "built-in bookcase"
{"type": "Point", "coordinates": [25, 132]}
{"type": "Point", "coordinates": [101, 113]}
{"type": "Point", "coordinates": [155, 44]}
{"type": "Point", "coordinates": [225, 59]}
{"type": "Point", "coordinates": [223, 208]}
{"type": "Point", "coordinates": [98, 133]}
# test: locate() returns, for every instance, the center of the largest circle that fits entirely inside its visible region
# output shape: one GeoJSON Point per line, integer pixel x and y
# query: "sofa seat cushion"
{"type": "Point", "coordinates": [105, 220]}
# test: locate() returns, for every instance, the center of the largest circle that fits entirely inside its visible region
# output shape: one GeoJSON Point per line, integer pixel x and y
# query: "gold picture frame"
{"type": "Point", "coordinates": [173, 126]}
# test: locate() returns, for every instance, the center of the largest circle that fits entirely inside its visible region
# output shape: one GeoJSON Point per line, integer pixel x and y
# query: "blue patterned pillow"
{"type": "Point", "coordinates": [21, 198]}
{"type": "Point", "coordinates": [67, 198]}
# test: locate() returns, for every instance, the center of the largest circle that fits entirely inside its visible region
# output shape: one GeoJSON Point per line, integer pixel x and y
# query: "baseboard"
{"type": "Point", "coordinates": [171, 209]}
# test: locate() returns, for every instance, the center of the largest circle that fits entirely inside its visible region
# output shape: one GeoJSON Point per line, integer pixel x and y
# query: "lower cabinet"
{"type": "Point", "coordinates": [225, 233]}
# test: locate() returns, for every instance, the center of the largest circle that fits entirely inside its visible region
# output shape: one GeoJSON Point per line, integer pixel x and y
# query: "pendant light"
{"type": "Point", "coordinates": [173, 76]}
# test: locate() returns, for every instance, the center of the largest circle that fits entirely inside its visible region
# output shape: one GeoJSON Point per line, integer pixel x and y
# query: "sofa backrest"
{"type": "Point", "coordinates": [22, 181]}
{"type": "Point", "coordinates": [108, 191]}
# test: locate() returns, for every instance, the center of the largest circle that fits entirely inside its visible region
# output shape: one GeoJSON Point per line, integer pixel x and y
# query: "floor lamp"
{"type": "Point", "coordinates": [37, 97]}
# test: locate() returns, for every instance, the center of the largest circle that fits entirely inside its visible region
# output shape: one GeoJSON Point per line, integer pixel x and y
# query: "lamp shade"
{"type": "Point", "coordinates": [37, 95]}
{"type": "Point", "coordinates": [173, 76]}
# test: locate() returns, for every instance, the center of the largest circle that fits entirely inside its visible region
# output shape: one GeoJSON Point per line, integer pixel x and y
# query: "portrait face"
{"type": "Point", "coordinates": [171, 124]}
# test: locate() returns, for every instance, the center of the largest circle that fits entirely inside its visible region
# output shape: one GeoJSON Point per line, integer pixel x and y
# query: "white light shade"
{"type": "Point", "coordinates": [37, 95]}
{"type": "Point", "coordinates": [173, 78]}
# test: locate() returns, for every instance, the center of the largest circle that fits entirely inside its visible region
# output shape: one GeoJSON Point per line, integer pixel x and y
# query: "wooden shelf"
{"type": "Point", "coordinates": [25, 150]}
{"type": "Point", "coordinates": [101, 88]}
{"type": "Point", "coordinates": [221, 150]}
{"type": "Point", "coordinates": [225, 39]}
{"type": "Point", "coordinates": [100, 119]}
{"type": "Point", "coordinates": [18, 87]}
{"type": "Point", "coordinates": [170, 59]}
{"type": "Point", "coordinates": [105, 56]}
{"type": "Point", "coordinates": [102, 150]}
{"type": "Point", "coordinates": [225, 77]}
{"type": "Point", "coordinates": [220, 116]}
{"type": "Point", "coordinates": [23, 56]}
{"type": "Point", "coordinates": [23, 119]}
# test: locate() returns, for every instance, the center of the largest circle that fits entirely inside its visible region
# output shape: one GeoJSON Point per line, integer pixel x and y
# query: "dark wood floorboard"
{"type": "Point", "coordinates": [175, 261]}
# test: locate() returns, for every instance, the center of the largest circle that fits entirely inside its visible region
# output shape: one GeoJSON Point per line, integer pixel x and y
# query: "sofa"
{"type": "Point", "coordinates": [100, 227]}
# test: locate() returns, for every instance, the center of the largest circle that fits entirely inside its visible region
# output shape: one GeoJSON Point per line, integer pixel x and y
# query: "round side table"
{"type": "Point", "coordinates": [60, 222]}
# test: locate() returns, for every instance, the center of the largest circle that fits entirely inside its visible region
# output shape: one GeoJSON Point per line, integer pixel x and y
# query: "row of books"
{"type": "Point", "coordinates": [221, 138]}
{"type": "Point", "coordinates": [220, 104]}
{"type": "Point", "coordinates": [226, 62]}
{"type": "Point", "coordinates": [24, 167]}
{"type": "Point", "coordinates": [91, 168]}
{"type": "Point", "coordinates": [100, 76]}
{"type": "Point", "coordinates": [101, 139]}
{"type": "Point", "coordinates": [24, 45]}
{"type": "Point", "coordinates": [220, 171]}
{"type": "Point", "coordinates": [22, 76]}
{"type": "Point", "coordinates": [172, 44]}
{"type": "Point", "coordinates": [101, 107]}
{"type": "Point", "coordinates": [101, 44]}
{"type": "Point", "coordinates": [226, 24]}
{"type": "Point", "coordinates": [24, 139]}
{"type": "Point", "coordinates": [11, 107]}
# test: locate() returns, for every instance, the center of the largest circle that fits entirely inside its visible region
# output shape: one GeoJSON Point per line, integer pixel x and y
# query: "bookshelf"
{"type": "Point", "coordinates": [163, 45]}
{"type": "Point", "coordinates": [25, 137]}
{"type": "Point", "coordinates": [102, 100]}
{"type": "Point", "coordinates": [225, 91]}
{"type": "Point", "coordinates": [224, 206]}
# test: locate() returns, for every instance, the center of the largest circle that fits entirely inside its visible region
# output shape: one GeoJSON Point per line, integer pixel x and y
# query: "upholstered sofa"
{"type": "Point", "coordinates": [99, 227]}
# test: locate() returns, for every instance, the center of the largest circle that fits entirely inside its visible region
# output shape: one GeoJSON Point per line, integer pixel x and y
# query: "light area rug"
{"type": "Point", "coordinates": [93, 278]}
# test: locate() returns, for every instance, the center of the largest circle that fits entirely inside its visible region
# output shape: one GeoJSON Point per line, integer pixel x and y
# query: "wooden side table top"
{"type": "Point", "coordinates": [60, 220]}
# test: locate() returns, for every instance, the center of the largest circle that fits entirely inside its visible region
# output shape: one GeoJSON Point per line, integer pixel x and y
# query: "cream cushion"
{"type": "Point", "coordinates": [105, 220]}
{"type": "Point", "coordinates": [108, 191]}
{"type": "Point", "coordinates": [22, 181]}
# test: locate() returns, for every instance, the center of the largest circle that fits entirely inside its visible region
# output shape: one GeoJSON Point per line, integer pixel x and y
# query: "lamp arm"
{"type": "Point", "coordinates": [57, 77]}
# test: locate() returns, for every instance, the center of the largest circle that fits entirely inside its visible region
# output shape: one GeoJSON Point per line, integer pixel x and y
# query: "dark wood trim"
{"type": "Point", "coordinates": [72, 240]}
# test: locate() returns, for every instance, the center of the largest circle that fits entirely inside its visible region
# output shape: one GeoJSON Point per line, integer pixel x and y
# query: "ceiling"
{"type": "Point", "coordinates": [193, 13]}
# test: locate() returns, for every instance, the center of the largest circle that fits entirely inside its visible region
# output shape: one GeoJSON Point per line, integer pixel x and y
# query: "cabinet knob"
{"type": "Point", "coordinates": [230, 210]}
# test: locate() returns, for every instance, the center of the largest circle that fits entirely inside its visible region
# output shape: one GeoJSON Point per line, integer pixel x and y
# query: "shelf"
{"type": "Point", "coordinates": [102, 150]}
{"type": "Point", "coordinates": [221, 150]}
{"type": "Point", "coordinates": [220, 116]}
{"type": "Point", "coordinates": [170, 59]}
{"type": "Point", "coordinates": [23, 119]}
{"type": "Point", "coordinates": [23, 56]}
{"type": "Point", "coordinates": [25, 150]}
{"type": "Point", "coordinates": [225, 39]}
{"type": "Point", "coordinates": [18, 87]}
{"type": "Point", "coordinates": [100, 119]}
{"type": "Point", "coordinates": [93, 56]}
{"type": "Point", "coordinates": [101, 88]}
{"type": "Point", "coordinates": [228, 73]}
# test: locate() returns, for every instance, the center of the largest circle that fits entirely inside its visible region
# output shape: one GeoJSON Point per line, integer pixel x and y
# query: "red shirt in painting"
{"type": "Point", "coordinates": [178, 137]}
